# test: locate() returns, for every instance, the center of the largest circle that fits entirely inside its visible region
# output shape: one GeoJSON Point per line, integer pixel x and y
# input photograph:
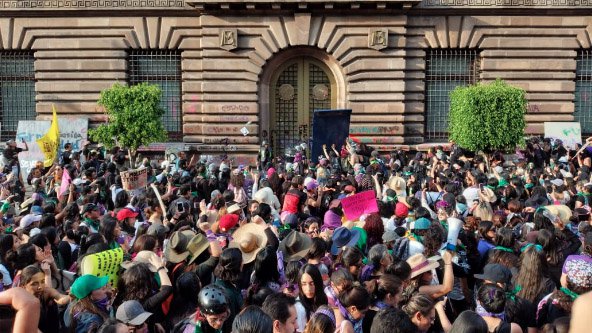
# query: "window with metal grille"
{"type": "Point", "coordinates": [583, 102]}
{"type": "Point", "coordinates": [17, 90]}
{"type": "Point", "coordinates": [161, 67]}
{"type": "Point", "coordinates": [445, 70]}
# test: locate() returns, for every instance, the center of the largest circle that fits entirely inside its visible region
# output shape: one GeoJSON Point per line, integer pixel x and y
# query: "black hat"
{"type": "Point", "coordinates": [495, 273]}
{"type": "Point", "coordinates": [89, 207]}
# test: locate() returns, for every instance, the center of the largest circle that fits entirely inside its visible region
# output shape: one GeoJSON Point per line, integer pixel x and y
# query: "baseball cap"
{"type": "Point", "coordinates": [557, 182]}
{"type": "Point", "coordinates": [36, 210]}
{"type": "Point", "coordinates": [125, 213]}
{"type": "Point", "coordinates": [89, 207]}
{"type": "Point", "coordinates": [496, 273]}
{"type": "Point", "coordinates": [227, 222]}
{"type": "Point", "coordinates": [85, 285]}
{"type": "Point", "coordinates": [421, 224]}
{"type": "Point", "coordinates": [29, 219]}
{"type": "Point", "coordinates": [132, 313]}
{"type": "Point", "coordinates": [390, 236]}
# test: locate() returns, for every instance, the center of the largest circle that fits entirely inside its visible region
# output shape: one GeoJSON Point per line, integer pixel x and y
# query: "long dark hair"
{"type": "Point", "coordinates": [22, 257]}
{"type": "Point", "coordinates": [320, 298]}
{"type": "Point", "coordinates": [107, 228]}
{"type": "Point", "coordinates": [265, 268]}
{"type": "Point", "coordinates": [229, 265]}
{"type": "Point", "coordinates": [533, 264]}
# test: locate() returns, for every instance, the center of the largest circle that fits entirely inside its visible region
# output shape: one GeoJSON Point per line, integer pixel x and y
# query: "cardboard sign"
{"type": "Point", "coordinates": [134, 179]}
{"type": "Point", "coordinates": [568, 132]}
{"type": "Point", "coordinates": [72, 130]}
{"type": "Point", "coordinates": [359, 204]}
{"type": "Point", "coordinates": [106, 263]}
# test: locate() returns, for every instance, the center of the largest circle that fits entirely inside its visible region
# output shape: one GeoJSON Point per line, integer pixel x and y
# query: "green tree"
{"type": "Point", "coordinates": [487, 117]}
{"type": "Point", "coordinates": [133, 117]}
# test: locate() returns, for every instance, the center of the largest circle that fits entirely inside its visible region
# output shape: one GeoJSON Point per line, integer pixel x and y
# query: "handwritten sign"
{"type": "Point", "coordinates": [73, 130]}
{"type": "Point", "coordinates": [359, 204]}
{"type": "Point", "coordinates": [134, 179]}
{"type": "Point", "coordinates": [106, 263]}
{"type": "Point", "coordinates": [569, 133]}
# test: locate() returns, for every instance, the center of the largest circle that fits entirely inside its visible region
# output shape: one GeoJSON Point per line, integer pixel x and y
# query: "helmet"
{"type": "Point", "coordinates": [264, 142]}
{"type": "Point", "coordinates": [212, 300]}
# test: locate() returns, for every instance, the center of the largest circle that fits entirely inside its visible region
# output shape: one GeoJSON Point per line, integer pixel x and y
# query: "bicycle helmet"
{"type": "Point", "coordinates": [212, 300]}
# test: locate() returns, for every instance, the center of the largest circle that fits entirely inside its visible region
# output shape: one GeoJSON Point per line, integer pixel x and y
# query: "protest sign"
{"type": "Point", "coordinates": [134, 179]}
{"type": "Point", "coordinates": [30, 131]}
{"type": "Point", "coordinates": [72, 129]}
{"type": "Point", "coordinates": [106, 263]}
{"type": "Point", "coordinates": [329, 127]}
{"type": "Point", "coordinates": [359, 204]}
{"type": "Point", "coordinates": [569, 133]}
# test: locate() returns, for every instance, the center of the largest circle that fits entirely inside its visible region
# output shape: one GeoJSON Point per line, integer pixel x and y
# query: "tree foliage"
{"type": "Point", "coordinates": [134, 116]}
{"type": "Point", "coordinates": [487, 117]}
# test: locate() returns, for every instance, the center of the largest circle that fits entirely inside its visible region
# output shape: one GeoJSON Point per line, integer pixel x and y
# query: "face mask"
{"type": "Point", "coordinates": [102, 303]}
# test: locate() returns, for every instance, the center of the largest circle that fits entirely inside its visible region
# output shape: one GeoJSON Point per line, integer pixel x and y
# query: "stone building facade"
{"type": "Point", "coordinates": [266, 65]}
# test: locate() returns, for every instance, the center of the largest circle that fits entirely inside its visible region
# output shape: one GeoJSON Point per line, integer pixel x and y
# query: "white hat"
{"type": "Point", "coordinates": [34, 232]}
{"type": "Point", "coordinates": [29, 219]}
{"type": "Point", "coordinates": [557, 182]}
{"type": "Point", "coordinates": [566, 174]}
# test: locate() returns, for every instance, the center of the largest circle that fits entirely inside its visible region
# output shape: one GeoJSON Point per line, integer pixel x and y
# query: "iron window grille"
{"type": "Point", "coordinates": [17, 90]}
{"type": "Point", "coordinates": [446, 69]}
{"type": "Point", "coordinates": [583, 93]}
{"type": "Point", "coordinates": [161, 67]}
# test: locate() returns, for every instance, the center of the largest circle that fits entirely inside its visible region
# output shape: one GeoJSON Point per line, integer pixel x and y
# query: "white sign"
{"type": "Point", "coordinates": [72, 130]}
{"type": "Point", "coordinates": [245, 131]}
{"type": "Point", "coordinates": [569, 133]}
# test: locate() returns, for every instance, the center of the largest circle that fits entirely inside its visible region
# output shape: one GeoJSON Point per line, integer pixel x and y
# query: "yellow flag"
{"type": "Point", "coordinates": [50, 142]}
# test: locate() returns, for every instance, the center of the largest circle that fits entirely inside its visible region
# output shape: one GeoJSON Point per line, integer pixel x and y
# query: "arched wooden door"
{"type": "Point", "coordinates": [299, 87]}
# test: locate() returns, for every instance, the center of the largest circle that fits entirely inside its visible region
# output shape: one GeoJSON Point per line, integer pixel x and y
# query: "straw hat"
{"type": "Point", "coordinates": [141, 257]}
{"type": "Point", "coordinates": [249, 239]}
{"type": "Point", "coordinates": [562, 211]}
{"type": "Point", "coordinates": [177, 251]}
{"type": "Point", "coordinates": [295, 245]}
{"type": "Point", "coordinates": [420, 264]}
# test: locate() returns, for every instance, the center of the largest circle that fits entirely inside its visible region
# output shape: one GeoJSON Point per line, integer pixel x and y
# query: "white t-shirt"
{"type": "Point", "coordinates": [6, 279]}
{"type": "Point", "coordinates": [301, 319]}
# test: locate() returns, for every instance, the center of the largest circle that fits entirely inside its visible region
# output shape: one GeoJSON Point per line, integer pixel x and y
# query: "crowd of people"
{"type": "Point", "coordinates": [215, 247]}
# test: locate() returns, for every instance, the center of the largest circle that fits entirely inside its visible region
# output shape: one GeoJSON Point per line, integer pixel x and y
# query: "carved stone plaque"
{"type": "Point", "coordinates": [228, 39]}
{"type": "Point", "coordinates": [378, 38]}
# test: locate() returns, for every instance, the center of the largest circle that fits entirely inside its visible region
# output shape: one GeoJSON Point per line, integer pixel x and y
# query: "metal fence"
{"type": "Point", "coordinates": [161, 67]}
{"type": "Point", "coordinates": [583, 93]}
{"type": "Point", "coordinates": [17, 90]}
{"type": "Point", "coordinates": [445, 70]}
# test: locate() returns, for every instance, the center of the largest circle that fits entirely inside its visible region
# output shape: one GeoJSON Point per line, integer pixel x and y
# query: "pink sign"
{"type": "Point", "coordinates": [359, 204]}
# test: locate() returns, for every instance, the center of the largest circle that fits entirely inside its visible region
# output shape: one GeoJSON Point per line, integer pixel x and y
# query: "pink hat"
{"type": "Point", "coordinates": [270, 172]}
{"type": "Point", "coordinates": [401, 210]}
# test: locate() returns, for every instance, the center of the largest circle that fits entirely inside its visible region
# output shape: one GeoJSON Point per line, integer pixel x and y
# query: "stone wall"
{"type": "Point", "coordinates": [226, 87]}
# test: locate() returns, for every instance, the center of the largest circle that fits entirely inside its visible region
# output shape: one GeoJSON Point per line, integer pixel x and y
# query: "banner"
{"type": "Point", "coordinates": [329, 127]}
{"type": "Point", "coordinates": [72, 129]}
{"type": "Point", "coordinates": [50, 141]}
{"type": "Point", "coordinates": [569, 133]}
{"type": "Point", "coordinates": [106, 263]}
{"type": "Point", "coordinates": [134, 179]}
{"type": "Point", "coordinates": [66, 181]}
{"type": "Point", "coordinates": [358, 204]}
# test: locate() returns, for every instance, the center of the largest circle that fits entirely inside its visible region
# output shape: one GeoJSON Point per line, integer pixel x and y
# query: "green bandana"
{"type": "Point", "coordinates": [92, 223]}
{"type": "Point", "coordinates": [569, 293]}
{"type": "Point", "coordinates": [505, 249]}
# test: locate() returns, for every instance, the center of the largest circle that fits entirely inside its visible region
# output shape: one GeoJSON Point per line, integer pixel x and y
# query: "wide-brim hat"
{"type": "Point", "coordinates": [343, 236]}
{"type": "Point", "coordinates": [249, 239]}
{"type": "Point", "coordinates": [141, 257]}
{"type": "Point", "coordinates": [197, 245]}
{"type": "Point", "coordinates": [420, 264]}
{"type": "Point", "coordinates": [295, 245]}
{"type": "Point", "coordinates": [176, 250]}
{"type": "Point", "coordinates": [562, 211]}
